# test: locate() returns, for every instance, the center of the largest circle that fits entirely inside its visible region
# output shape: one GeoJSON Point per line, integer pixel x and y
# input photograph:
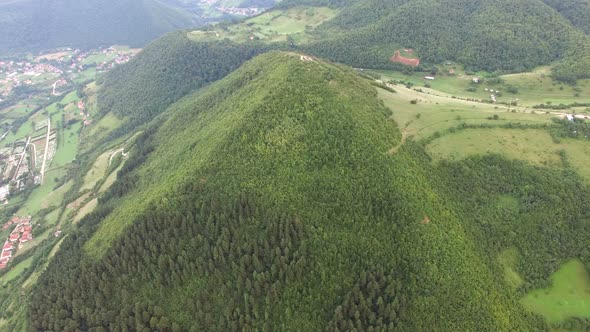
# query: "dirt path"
{"type": "Point", "coordinates": [396, 148]}
{"type": "Point", "coordinates": [122, 150]}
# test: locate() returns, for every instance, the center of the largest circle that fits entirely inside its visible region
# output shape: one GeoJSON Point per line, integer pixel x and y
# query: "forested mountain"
{"type": "Point", "coordinates": [29, 25]}
{"type": "Point", "coordinates": [489, 35]}
{"type": "Point", "coordinates": [498, 35]}
{"type": "Point", "coordinates": [268, 201]}
{"type": "Point", "coordinates": [165, 71]}
{"type": "Point", "coordinates": [577, 11]}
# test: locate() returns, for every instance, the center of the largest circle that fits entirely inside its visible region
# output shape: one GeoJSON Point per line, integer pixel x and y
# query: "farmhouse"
{"type": "Point", "coordinates": [430, 78]}
{"type": "Point", "coordinates": [26, 237]}
{"type": "Point", "coordinates": [7, 246]}
{"type": "Point", "coordinates": [14, 237]}
{"type": "Point", "coordinates": [570, 117]}
{"type": "Point", "coordinates": [6, 254]}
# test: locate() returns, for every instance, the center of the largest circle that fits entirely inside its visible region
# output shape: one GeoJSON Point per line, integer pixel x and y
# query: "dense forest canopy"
{"type": "Point", "coordinates": [488, 35]}
{"type": "Point", "coordinates": [165, 71]}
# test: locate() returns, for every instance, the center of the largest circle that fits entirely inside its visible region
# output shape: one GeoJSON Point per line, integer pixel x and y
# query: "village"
{"type": "Point", "coordinates": [60, 68]}
{"type": "Point", "coordinates": [20, 235]}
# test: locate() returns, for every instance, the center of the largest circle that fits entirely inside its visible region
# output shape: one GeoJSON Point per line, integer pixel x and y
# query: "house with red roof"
{"type": "Point", "coordinates": [7, 246]}
{"type": "Point", "coordinates": [14, 237]}
{"type": "Point", "coordinates": [3, 263]}
{"type": "Point", "coordinates": [6, 254]}
{"type": "Point", "coordinates": [26, 237]}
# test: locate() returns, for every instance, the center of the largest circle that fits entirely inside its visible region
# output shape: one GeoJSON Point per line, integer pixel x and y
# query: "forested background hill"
{"type": "Point", "coordinates": [499, 35]}
{"type": "Point", "coordinates": [488, 35]}
{"type": "Point", "coordinates": [34, 25]}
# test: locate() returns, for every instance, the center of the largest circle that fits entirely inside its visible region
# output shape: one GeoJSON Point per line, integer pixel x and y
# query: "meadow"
{"type": "Point", "coordinates": [569, 296]}
{"type": "Point", "coordinates": [433, 113]}
{"type": "Point", "coordinates": [273, 26]}
{"type": "Point", "coordinates": [532, 88]}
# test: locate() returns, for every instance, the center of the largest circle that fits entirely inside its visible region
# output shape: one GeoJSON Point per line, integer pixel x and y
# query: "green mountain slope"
{"type": "Point", "coordinates": [30, 25]}
{"type": "Point", "coordinates": [268, 201]}
{"type": "Point", "coordinates": [489, 35]}
{"type": "Point", "coordinates": [577, 11]}
{"type": "Point", "coordinates": [166, 70]}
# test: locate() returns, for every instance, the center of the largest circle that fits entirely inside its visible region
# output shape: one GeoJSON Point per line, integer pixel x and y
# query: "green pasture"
{"type": "Point", "coordinates": [569, 296]}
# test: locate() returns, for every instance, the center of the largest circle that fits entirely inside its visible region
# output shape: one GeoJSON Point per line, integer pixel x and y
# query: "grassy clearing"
{"type": "Point", "coordinates": [274, 25]}
{"type": "Point", "coordinates": [67, 146]}
{"type": "Point", "coordinates": [533, 87]}
{"type": "Point", "coordinates": [51, 218]}
{"type": "Point", "coordinates": [44, 195]}
{"type": "Point", "coordinates": [532, 145]}
{"type": "Point", "coordinates": [436, 113]}
{"type": "Point", "coordinates": [97, 171]}
{"type": "Point", "coordinates": [569, 296]}
{"type": "Point", "coordinates": [99, 130]}
{"type": "Point", "coordinates": [110, 180]}
{"type": "Point", "coordinates": [578, 155]}
{"type": "Point", "coordinates": [508, 260]}
{"type": "Point", "coordinates": [88, 74]}
{"type": "Point", "coordinates": [16, 271]}
{"type": "Point", "coordinates": [55, 197]}
{"type": "Point", "coordinates": [537, 87]}
{"type": "Point", "coordinates": [85, 210]}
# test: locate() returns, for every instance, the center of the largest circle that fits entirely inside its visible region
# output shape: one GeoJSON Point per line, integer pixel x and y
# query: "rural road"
{"type": "Point", "coordinates": [46, 150]}
{"type": "Point", "coordinates": [21, 157]}
{"type": "Point", "coordinates": [115, 153]}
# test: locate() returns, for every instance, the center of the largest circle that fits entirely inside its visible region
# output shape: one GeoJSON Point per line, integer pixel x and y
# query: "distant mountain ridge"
{"type": "Point", "coordinates": [35, 25]}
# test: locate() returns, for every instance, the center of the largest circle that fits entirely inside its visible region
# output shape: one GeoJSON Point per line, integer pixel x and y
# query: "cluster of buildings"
{"type": "Point", "coordinates": [85, 116]}
{"type": "Point", "coordinates": [21, 234]}
{"type": "Point", "coordinates": [119, 59]}
{"type": "Point", "coordinates": [16, 73]}
{"type": "Point", "coordinates": [61, 66]}
{"type": "Point", "coordinates": [249, 11]}
{"type": "Point", "coordinates": [21, 162]}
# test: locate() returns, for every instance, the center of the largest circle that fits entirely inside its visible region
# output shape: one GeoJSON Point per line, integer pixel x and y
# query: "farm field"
{"type": "Point", "coordinates": [274, 25]}
{"type": "Point", "coordinates": [97, 172]}
{"type": "Point", "coordinates": [44, 196]}
{"type": "Point", "coordinates": [532, 145]}
{"type": "Point", "coordinates": [533, 88]}
{"type": "Point", "coordinates": [16, 271]}
{"type": "Point", "coordinates": [433, 113]}
{"type": "Point", "coordinates": [569, 296]}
